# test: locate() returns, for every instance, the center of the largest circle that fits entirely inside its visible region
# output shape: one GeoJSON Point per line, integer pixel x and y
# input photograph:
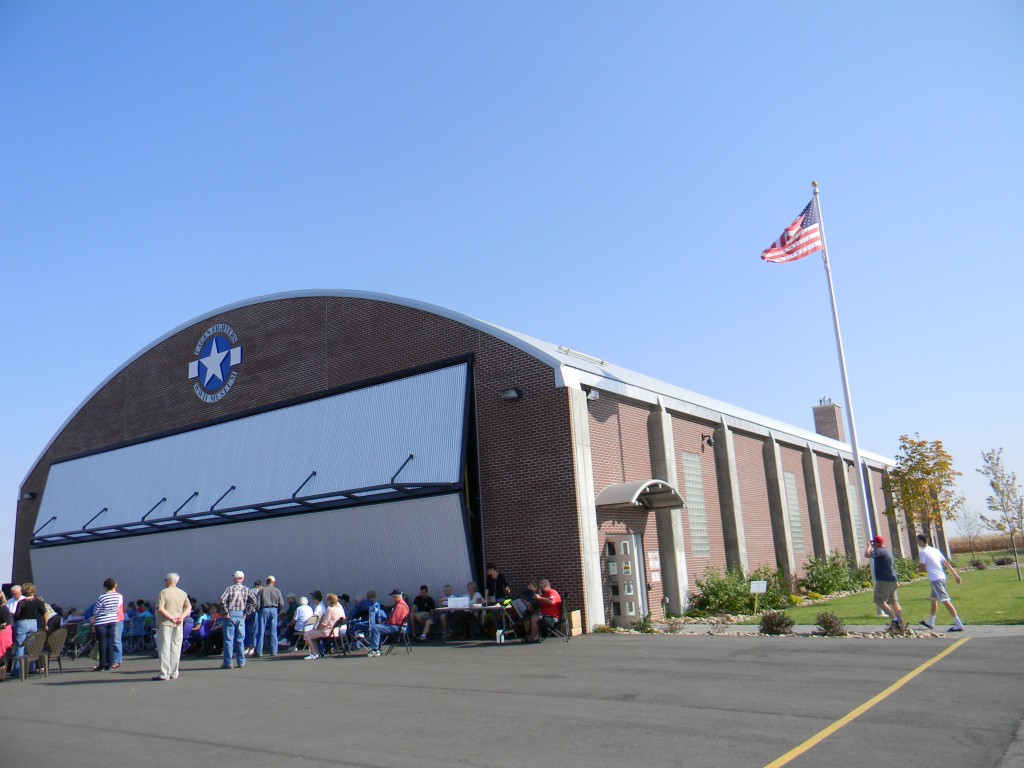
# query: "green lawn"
{"type": "Point", "coordinates": [964, 560]}
{"type": "Point", "coordinates": [984, 597]}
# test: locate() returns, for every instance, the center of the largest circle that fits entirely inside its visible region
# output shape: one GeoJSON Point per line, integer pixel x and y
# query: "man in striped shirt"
{"type": "Point", "coordinates": [238, 600]}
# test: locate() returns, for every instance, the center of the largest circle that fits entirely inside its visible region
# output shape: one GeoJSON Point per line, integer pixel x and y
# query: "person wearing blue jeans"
{"type": "Point", "coordinates": [238, 600]}
{"type": "Point", "coordinates": [271, 603]}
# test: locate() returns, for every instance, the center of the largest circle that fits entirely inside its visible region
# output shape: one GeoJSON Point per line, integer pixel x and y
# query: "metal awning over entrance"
{"type": "Point", "coordinates": [652, 494]}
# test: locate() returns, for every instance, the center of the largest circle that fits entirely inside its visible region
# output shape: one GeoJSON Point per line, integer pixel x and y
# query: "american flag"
{"type": "Point", "coordinates": [799, 239]}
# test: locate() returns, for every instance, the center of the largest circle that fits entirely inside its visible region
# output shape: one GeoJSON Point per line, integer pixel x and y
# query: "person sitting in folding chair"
{"type": "Point", "coordinates": [332, 616]}
{"type": "Point", "coordinates": [548, 613]}
{"type": "Point", "coordinates": [394, 624]}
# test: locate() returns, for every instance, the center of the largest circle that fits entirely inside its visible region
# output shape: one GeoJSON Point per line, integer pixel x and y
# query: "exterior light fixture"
{"type": "Point", "coordinates": [511, 393]}
{"type": "Point", "coordinates": [707, 440]}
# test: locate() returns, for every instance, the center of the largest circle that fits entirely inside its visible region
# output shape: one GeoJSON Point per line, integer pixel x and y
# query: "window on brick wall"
{"type": "Point", "coordinates": [696, 511]}
{"type": "Point", "coordinates": [858, 520]}
{"type": "Point", "coordinates": [796, 528]}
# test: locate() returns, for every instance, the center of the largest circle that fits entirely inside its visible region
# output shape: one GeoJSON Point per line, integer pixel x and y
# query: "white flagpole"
{"type": "Point", "coordinates": [862, 496]}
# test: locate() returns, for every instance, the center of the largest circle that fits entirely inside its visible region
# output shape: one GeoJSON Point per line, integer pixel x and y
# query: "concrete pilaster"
{"type": "Point", "coordinates": [845, 507]}
{"type": "Point", "coordinates": [593, 594]}
{"type": "Point", "coordinates": [815, 509]}
{"type": "Point", "coordinates": [777, 507]}
{"type": "Point", "coordinates": [671, 540]}
{"type": "Point", "coordinates": [729, 499]}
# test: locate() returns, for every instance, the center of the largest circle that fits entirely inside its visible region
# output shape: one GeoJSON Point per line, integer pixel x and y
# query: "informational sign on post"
{"type": "Point", "coordinates": [758, 588]}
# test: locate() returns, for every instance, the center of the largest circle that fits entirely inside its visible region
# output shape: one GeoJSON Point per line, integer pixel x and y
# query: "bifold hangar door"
{"type": "Point", "coordinates": [353, 491]}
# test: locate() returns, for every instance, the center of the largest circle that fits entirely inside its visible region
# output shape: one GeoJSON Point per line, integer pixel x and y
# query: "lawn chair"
{"type": "Point", "coordinates": [83, 642]}
{"type": "Point", "coordinates": [186, 634]}
{"type": "Point", "coordinates": [139, 635]}
{"type": "Point", "coordinates": [559, 628]}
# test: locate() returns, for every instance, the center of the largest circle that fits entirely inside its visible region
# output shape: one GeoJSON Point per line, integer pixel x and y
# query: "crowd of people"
{"type": "Point", "coordinates": [259, 620]}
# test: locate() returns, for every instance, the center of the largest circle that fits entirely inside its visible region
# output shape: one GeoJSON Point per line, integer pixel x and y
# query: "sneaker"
{"type": "Point", "coordinates": [926, 624]}
{"type": "Point", "coordinates": [174, 676]}
{"type": "Point", "coordinates": [372, 653]}
{"type": "Point", "coordinates": [422, 637]}
{"type": "Point", "coordinates": [955, 629]}
{"type": "Point", "coordinates": [160, 677]}
{"type": "Point", "coordinates": [313, 656]}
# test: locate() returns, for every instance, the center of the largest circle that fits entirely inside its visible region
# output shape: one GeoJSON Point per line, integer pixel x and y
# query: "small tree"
{"type": "Point", "coordinates": [1006, 501]}
{"type": "Point", "coordinates": [970, 525]}
{"type": "Point", "coordinates": [923, 483]}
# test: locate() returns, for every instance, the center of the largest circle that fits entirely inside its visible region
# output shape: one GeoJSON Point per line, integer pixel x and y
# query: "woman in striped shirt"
{"type": "Point", "coordinates": [105, 619]}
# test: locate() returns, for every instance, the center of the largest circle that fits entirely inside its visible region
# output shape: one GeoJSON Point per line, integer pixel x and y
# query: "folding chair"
{"type": "Point", "coordinates": [139, 636]}
{"type": "Point", "coordinates": [186, 634]}
{"type": "Point", "coordinates": [391, 641]}
{"type": "Point", "coordinates": [35, 651]}
{"type": "Point", "coordinates": [559, 628]}
{"type": "Point", "coordinates": [55, 646]}
{"type": "Point", "coordinates": [84, 640]}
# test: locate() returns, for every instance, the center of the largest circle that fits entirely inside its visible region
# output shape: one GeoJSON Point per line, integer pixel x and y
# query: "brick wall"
{"type": "Point", "coordinates": [757, 521]}
{"type": "Point", "coordinates": [306, 346]}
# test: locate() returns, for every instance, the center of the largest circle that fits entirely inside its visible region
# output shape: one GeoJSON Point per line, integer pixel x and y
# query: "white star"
{"type": "Point", "coordinates": [212, 362]}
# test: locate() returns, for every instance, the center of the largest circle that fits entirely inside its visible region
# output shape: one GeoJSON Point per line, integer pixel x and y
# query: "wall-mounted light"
{"type": "Point", "coordinates": [29, 495]}
{"type": "Point", "coordinates": [593, 394]}
{"type": "Point", "coordinates": [707, 440]}
{"type": "Point", "coordinates": [511, 393]}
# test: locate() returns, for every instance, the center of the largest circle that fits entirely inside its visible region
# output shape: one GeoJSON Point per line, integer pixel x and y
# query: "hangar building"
{"type": "Point", "coordinates": [347, 441]}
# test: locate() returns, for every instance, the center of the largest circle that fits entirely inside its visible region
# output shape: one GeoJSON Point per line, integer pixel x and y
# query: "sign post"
{"type": "Point", "coordinates": [758, 588]}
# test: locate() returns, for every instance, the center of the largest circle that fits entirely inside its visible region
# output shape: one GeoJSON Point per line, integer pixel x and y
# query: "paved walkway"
{"type": "Point", "coordinates": [916, 631]}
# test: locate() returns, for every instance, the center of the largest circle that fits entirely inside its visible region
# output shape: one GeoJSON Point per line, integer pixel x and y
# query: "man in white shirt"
{"type": "Point", "coordinates": [16, 597]}
{"type": "Point", "coordinates": [935, 564]}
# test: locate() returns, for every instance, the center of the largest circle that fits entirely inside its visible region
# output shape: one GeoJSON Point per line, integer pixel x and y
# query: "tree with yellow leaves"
{"type": "Point", "coordinates": [923, 483]}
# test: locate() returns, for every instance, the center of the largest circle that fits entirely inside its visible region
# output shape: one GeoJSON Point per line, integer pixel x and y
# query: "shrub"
{"type": "Point", "coordinates": [978, 565]}
{"type": "Point", "coordinates": [776, 623]}
{"type": "Point", "coordinates": [906, 568]}
{"type": "Point", "coordinates": [644, 625]}
{"type": "Point", "coordinates": [602, 629]}
{"type": "Point", "coordinates": [795, 599]}
{"type": "Point", "coordinates": [721, 593]}
{"type": "Point", "coordinates": [1002, 560]}
{"type": "Point", "coordinates": [814, 596]}
{"type": "Point", "coordinates": [828, 574]}
{"type": "Point", "coordinates": [831, 625]}
{"type": "Point", "coordinates": [778, 592]}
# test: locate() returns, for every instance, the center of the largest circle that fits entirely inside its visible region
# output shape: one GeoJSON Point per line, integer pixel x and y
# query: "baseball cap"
{"type": "Point", "coordinates": [878, 540]}
{"type": "Point", "coordinates": [394, 592]}
{"type": "Point", "coordinates": [239, 575]}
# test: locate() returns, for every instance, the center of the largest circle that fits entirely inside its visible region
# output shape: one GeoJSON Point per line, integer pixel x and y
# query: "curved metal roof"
{"type": "Point", "coordinates": [570, 367]}
{"type": "Point", "coordinates": [652, 494]}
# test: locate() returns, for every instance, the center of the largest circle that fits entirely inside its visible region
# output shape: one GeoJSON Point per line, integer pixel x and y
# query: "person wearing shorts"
{"type": "Point", "coordinates": [935, 564]}
{"type": "Point", "coordinates": [886, 582]}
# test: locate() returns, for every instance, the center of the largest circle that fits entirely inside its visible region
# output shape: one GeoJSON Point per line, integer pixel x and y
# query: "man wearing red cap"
{"type": "Point", "coordinates": [886, 582]}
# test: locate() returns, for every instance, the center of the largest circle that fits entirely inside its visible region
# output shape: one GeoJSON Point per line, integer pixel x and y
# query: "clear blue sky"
{"type": "Point", "coordinates": [600, 175]}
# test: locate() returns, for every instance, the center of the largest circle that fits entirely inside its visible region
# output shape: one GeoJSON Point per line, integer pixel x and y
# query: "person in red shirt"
{"type": "Point", "coordinates": [395, 623]}
{"type": "Point", "coordinates": [549, 611]}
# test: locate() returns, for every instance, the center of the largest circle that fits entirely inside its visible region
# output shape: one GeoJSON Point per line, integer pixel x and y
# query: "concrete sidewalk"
{"type": "Point", "coordinates": [880, 630]}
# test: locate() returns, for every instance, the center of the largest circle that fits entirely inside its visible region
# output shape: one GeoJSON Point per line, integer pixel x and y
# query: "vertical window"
{"type": "Point", "coordinates": [624, 548]}
{"type": "Point", "coordinates": [796, 529]}
{"type": "Point", "coordinates": [627, 568]}
{"type": "Point", "coordinates": [628, 587]}
{"type": "Point", "coordinates": [610, 547]}
{"type": "Point", "coordinates": [696, 511]}
{"type": "Point", "coordinates": [858, 520]}
{"type": "Point", "coordinates": [631, 609]}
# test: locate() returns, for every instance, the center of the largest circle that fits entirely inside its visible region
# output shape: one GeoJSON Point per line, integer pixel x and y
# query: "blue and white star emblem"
{"type": "Point", "coordinates": [218, 352]}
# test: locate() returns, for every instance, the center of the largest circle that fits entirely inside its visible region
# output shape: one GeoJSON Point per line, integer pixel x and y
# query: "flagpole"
{"type": "Point", "coordinates": [861, 489]}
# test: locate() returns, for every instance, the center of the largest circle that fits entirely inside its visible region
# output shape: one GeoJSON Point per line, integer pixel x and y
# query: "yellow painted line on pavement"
{"type": "Point", "coordinates": [826, 732]}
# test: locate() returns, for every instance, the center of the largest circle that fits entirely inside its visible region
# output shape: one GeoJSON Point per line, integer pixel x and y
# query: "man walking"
{"type": "Point", "coordinates": [271, 603]}
{"type": "Point", "coordinates": [935, 564]}
{"type": "Point", "coordinates": [237, 600]}
{"type": "Point", "coordinates": [172, 608]}
{"type": "Point", "coordinates": [886, 582]}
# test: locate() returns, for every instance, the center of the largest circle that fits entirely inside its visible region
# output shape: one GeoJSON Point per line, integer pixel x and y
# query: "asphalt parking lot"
{"type": "Point", "coordinates": [601, 700]}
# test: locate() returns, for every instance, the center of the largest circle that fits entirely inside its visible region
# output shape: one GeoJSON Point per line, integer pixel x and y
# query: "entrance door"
{"type": "Point", "coordinates": [624, 566]}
